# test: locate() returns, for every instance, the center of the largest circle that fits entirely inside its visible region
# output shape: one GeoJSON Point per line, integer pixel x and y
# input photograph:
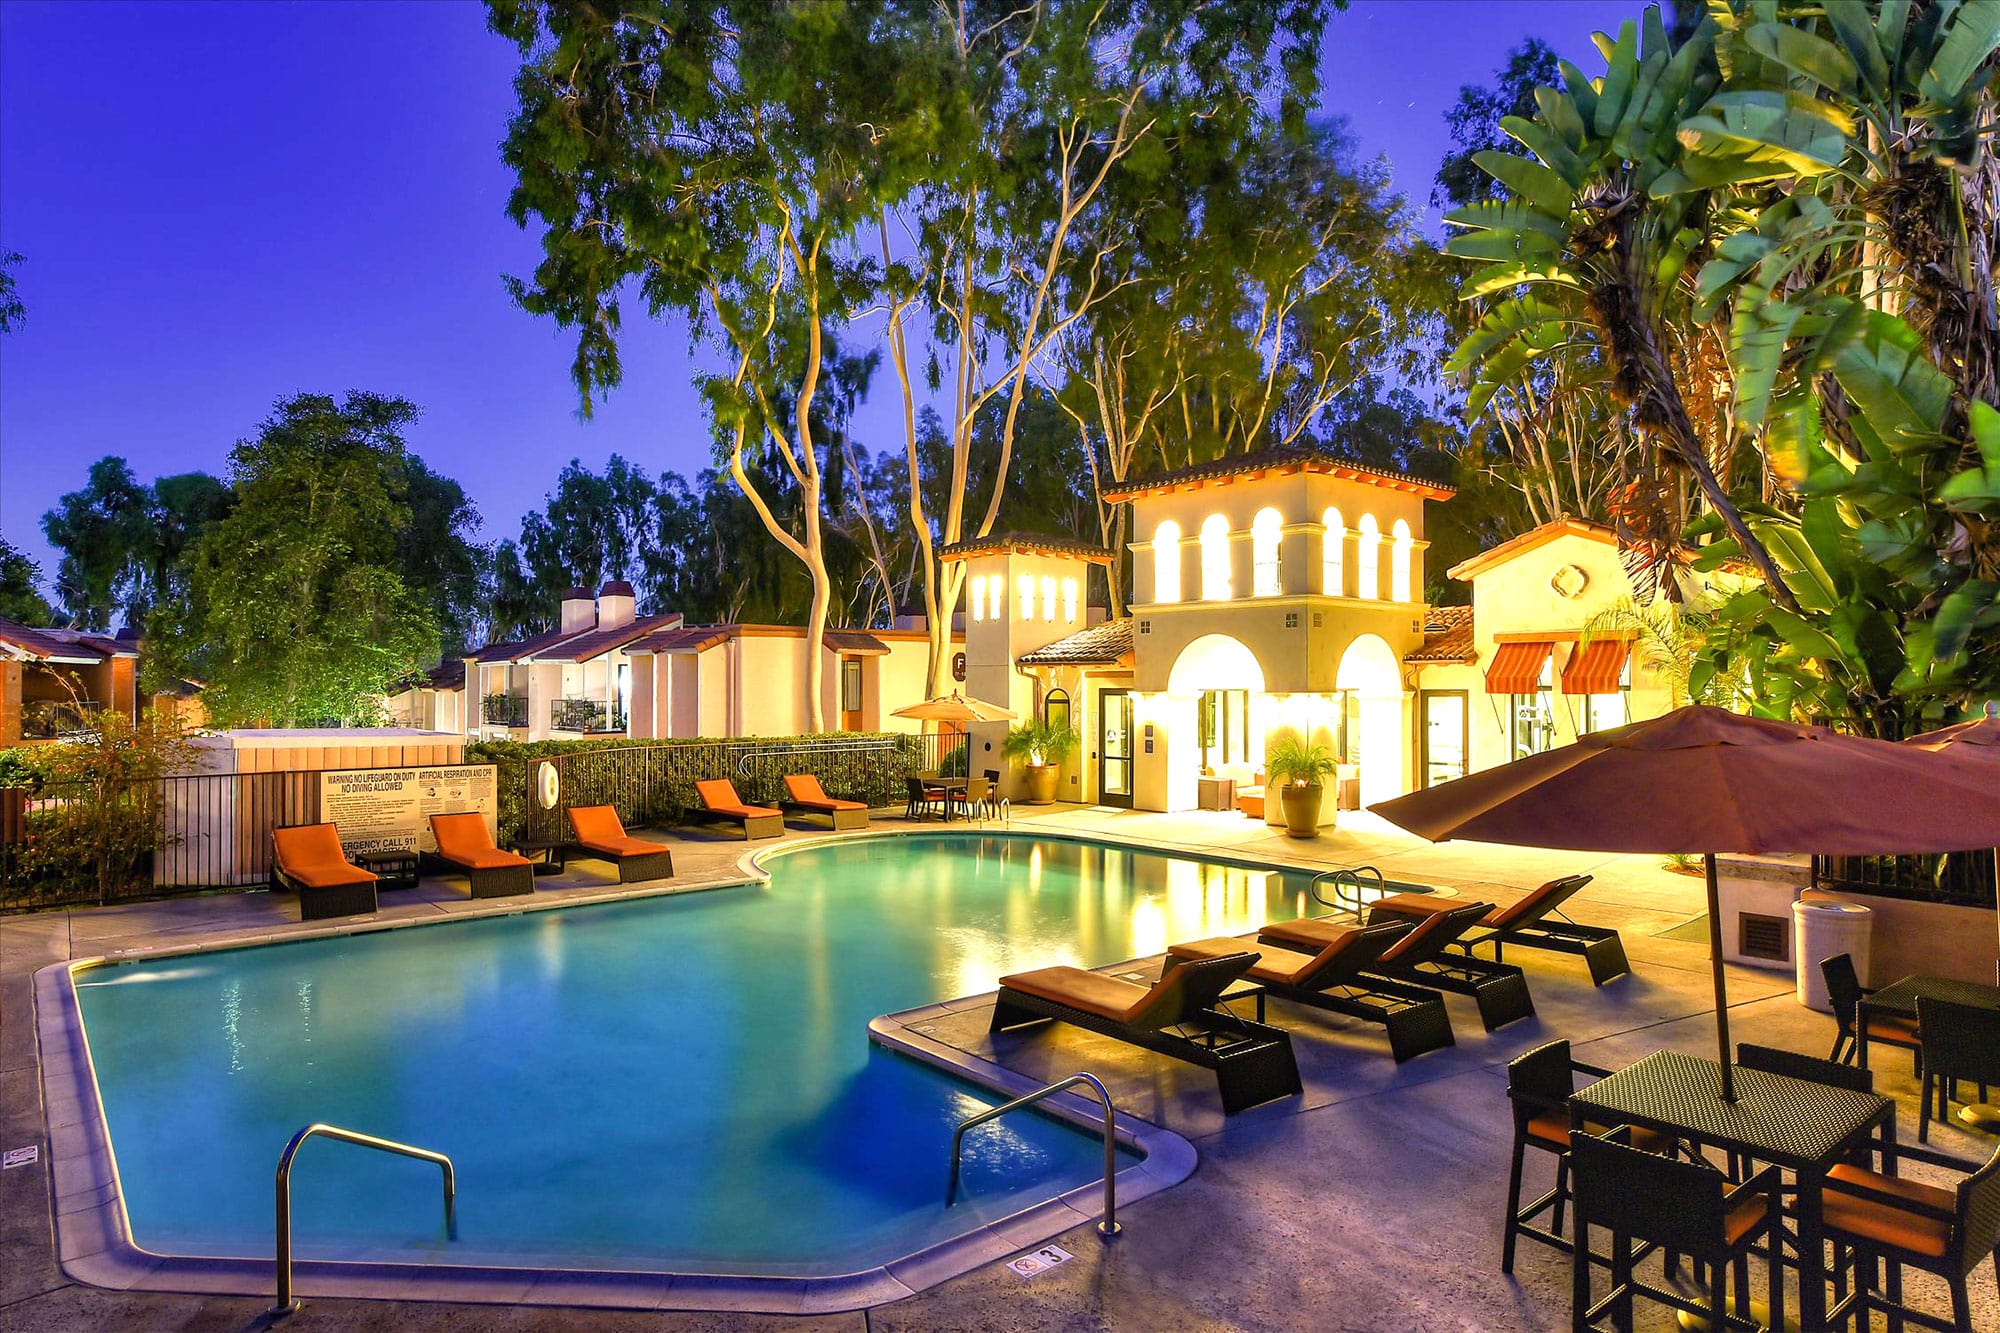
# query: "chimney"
{"type": "Point", "coordinates": [616, 604]}
{"type": "Point", "coordinates": [579, 612]}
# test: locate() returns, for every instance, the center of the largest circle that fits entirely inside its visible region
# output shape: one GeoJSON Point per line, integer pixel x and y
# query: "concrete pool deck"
{"type": "Point", "coordinates": [1373, 1201]}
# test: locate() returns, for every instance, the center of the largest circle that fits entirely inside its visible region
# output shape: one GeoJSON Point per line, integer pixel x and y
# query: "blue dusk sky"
{"type": "Point", "coordinates": [222, 203]}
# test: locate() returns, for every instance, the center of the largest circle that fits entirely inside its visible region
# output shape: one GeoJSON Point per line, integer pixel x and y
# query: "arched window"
{"type": "Point", "coordinates": [1333, 557]}
{"type": "Point", "coordinates": [1049, 599]}
{"type": "Point", "coordinates": [1266, 575]}
{"type": "Point", "coordinates": [979, 599]}
{"type": "Point", "coordinates": [1026, 597]}
{"type": "Point", "coordinates": [1055, 709]}
{"type": "Point", "coordinates": [1367, 558]}
{"type": "Point", "coordinates": [1215, 559]}
{"type": "Point", "coordinates": [1167, 562]}
{"type": "Point", "coordinates": [1069, 601]}
{"type": "Point", "coordinates": [1399, 562]}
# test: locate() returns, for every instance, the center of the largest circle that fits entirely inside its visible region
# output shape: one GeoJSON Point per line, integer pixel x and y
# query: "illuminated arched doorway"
{"type": "Point", "coordinates": [1372, 679]}
{"type": "Point", "coordinates": [1215, 698]}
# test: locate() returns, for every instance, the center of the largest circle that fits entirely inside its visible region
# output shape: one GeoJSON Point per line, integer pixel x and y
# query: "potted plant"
{"type": "Point", "coordinates": [1041, 750]}
{"type": "Point", "coordinates": [1300, 770]}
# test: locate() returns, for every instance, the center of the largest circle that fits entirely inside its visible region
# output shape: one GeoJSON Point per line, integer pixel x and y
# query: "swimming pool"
{"type": "Point", "coordinates": [678, 1083]}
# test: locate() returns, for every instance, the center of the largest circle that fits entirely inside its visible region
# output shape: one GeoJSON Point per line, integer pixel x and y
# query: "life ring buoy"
{"type": "Point", "coordinates": [548, 785]}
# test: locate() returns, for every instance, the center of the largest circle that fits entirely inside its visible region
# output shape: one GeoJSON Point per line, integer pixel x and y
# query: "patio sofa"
{"type": "Point", "coordinates": [307, 859]}
{"type": "Point", "coordinates": [601, 834]}
{"type": "Point", "coordinates": [464, 845]}
{"type": "Point", "coordinates": [1336, 979]}
{"type": "Point", "coordinates": [720, 803]}
{"type": "Point", "coordinates": [805, 796]}
{"type": "Point", "coordinates": [1176, 1016]}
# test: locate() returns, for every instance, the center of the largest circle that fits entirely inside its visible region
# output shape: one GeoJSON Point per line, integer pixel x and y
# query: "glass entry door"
{"type": "Point", "coordinates": [1447, 718]}
{"type": "Point", "coordinates": [1114, 748]}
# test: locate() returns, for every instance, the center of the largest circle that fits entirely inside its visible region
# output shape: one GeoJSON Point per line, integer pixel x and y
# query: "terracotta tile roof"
{"type": "Point", "coordinates": [1528, 541]}
{"type": "Point", "coordinates": [698, 638]}
{"type": "Point", "coordinates": [1278, 461]}
{"type": "Point", "coordinates": [1447, 636]}
{"type": "Point", "coordinates": [684, 639]}
{"type": "Point", "coordinates": [62, 645]}
{"type": "Point", "coordinates": [586, 644]}
{"type": "Point", "coordinates": [1108, 644]}
{"type": "Point", "coordinates": [515, 650]}
{"type": "Point", "coordinates": [854, 641]}
{"type": "Point", "coordinates": [1028, 543]}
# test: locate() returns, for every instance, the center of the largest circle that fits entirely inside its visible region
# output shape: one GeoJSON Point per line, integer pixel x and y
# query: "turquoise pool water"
{"type": "Point", "coordinates": [679, 1084]}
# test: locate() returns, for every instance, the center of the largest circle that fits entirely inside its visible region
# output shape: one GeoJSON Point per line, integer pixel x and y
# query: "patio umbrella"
{"type": "Point", "coordinates": [1978, 742]}
{"type": "Point", "coordinates": [955, 707]}
{"type": "Point", "coordinates": [1703, 780]}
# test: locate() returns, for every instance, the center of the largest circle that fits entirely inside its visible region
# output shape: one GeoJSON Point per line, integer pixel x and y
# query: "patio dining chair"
{"type": "Point", "coordinates": [1961, 1042]}
{"type": "Point", "coordinates": [1844, 991]}
{"type": "Point", "coordinates": [924, 799]}
{"type": "Point", "coordinates": [977, 798]}
{"type": "Point", "coordinates": [1539, 1086]}
{"type": "Point", "coordinates": [1898, 1222]}
{"type": "Point", "coordinates": [1681, 1207]}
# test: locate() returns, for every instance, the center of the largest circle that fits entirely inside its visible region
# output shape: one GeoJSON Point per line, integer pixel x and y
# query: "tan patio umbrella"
{"type": "Point", "coordinates": [1703, 780]}
{"type": "Point", "coordinates": [955, 707]}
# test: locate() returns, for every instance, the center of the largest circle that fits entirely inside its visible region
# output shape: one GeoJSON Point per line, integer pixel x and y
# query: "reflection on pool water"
{"type": "Point", "coordinates": [680, 1083]}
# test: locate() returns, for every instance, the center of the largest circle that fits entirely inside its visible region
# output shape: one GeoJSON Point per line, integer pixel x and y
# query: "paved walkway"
{"type": "Point", "coordinates": [1372, 1202]}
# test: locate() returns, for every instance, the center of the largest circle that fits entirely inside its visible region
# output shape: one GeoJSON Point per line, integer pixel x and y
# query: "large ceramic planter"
{"type": "Point", "coordinates": [1301, 809]}
{"type": "Point", "coordinates": [1041, 783]}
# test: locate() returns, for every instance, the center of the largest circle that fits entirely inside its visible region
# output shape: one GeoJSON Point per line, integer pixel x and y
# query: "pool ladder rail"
{"type": "Point", "coordinates": [1349, 885]}
{"type": "Point", "coordinates": [1107, 1226]}
{"type": "Point", "coordinates": [286, 1302]}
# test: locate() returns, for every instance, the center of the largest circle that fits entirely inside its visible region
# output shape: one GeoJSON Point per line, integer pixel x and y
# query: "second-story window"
{"type": "Point", "coordinates": [1167, 562]}
{"type": "Point", "coordinates": [1069, 601]}
{"type": "Point", "coordinates": [996, 597]}
{"type": "Point", "coordinates": [1333, 557]}
{"type": "Point", "coordinates": [979, 599]}
{"type": "Point", "coordinates": [1367, 558]}
{"type": "Point", "coordinates": [1215, 559]}
{"type": "Point", "coordinates": [1399, 562]}
{"type": "Point", "coordinates": [1025, 595]}
{"type": "Point", "coordinates": [1049, 600]}
{"type": "Point", "coordinates": [1266, 572]}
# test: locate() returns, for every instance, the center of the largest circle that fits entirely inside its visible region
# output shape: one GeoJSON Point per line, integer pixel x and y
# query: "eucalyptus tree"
{"type": "Point", "coordinates": [121, 540]}
{"type": "Point", "coordinates": [21, 597]}
{"type": "Point", "coordinates": [716, 160]}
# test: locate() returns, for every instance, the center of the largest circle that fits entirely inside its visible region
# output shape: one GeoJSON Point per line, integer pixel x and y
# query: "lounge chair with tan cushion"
{"type": "Point", "coordinates": [1179, 1016]}
{"type": "Point", "coordinates": [309, 860]}
{"type": "Point", "coordinates": [1420, 958]}
{"type": "Point", "coordinates": [805, 795]}
{"type": "Point", "coordinates": [1336, 978]}
{"type": "Point", "coordinates": [600, 833]}
{"type": "Point", "coordinates": [1533, 922]}
{"type": "Point", "coordinates": [464, 844]}
{"type": "Point", "coordinates": [719, 801]}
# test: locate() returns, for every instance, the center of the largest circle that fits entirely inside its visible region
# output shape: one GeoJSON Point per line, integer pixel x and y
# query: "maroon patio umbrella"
{"type": "Point", "coordinates": [1704, 780]}
{"type": "Point", "coordinates": [1977, 742]}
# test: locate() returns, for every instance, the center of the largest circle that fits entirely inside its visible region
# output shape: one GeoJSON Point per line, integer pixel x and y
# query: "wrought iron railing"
{"type": "Point", "coordinates": [1961, 879]}
{"type": "Point", "coordinates": [504, 710]}
{"type": "Point", "coordinates": [591, 717]}
{"type": "Point", "coordinates": [51, 719]}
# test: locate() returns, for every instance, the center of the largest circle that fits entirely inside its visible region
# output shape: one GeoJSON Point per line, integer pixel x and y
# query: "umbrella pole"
{"type": "Point", "coordinates": [1721, 986]}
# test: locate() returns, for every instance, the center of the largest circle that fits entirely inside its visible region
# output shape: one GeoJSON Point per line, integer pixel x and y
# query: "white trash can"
{"type": "Point", "coordinates": [1822, 926]}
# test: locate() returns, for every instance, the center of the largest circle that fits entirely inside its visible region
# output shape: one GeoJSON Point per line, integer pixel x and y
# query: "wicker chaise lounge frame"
{"type": "Point", "coordinates": [637, 860]}
{"type": "Point", "coordinates": [1536, 922]}
{"type": "Point", "coordinates": [754, 826]}
{"type": "Point", "coordinates": [845, 819]}
{"type": "Point", "coordinates": [1420, 959]}
{"type": "Point", "coordinates": [317, 902]}
{"type": "Point", "coordinates": [1414, 1017]}
{"type": "Point", "coordinates": [505, 881]}
{"type": "Point", "coordinates": [1253, 1063]}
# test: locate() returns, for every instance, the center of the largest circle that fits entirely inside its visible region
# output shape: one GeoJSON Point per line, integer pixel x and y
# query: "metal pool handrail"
{"type": "Point", "coordinates": [286, 1302]}
{"type": "Point", "coordinates": [1109, 1225]}
{"type": "Point", "coordinates": [1347, 877]}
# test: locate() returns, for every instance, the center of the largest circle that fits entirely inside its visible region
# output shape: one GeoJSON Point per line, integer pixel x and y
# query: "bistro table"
{"type": "Point", "coordinates": [1900, 1001]}
{"type": "Point", "coordinates": [950, 787]}
{"type": "Point", "coordinates": [1803, 1127]}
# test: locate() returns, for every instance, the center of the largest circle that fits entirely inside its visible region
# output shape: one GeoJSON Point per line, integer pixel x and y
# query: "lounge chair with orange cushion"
{"type": "Point", "coordinates": [719, 801]}
{"type": "Point", "coordinates": [1533, 922]}
{"type": "Point", "coordinates": [805, 795]}
{"type": "Point", "coordinates": [1419, 958]}
{"type": "Point", "coordinates": [1179, 1015]}
{"type": "Point", "coordinates": [308, 860]}
{"type": "Point", "coordinates": [464, 844]}
{"type": "Point", "coordinates": [600, 833]}
{"type": "Point", "coordinates": [1336, 978]}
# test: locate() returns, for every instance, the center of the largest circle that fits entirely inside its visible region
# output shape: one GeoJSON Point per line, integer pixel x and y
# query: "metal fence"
{"type": "Point", "coordinates": [654, 784]}
{"type": "Point", "coordinates": [1961, 879]}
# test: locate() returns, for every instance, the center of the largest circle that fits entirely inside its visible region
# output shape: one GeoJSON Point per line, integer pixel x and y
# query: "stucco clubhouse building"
{"type": "Point", "coordinates": [1270, 592]}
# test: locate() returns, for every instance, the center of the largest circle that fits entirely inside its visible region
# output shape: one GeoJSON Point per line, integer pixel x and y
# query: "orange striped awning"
{"type": "Point", "coordinates": [1594, 667]}
{"type": "Point", "coordinates": [1517, 667]}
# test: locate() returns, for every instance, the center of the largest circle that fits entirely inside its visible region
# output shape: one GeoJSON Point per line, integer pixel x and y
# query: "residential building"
{"type": "Point", "coordinates": [572, 682]}
{"type": "Point", "coordinates": [50, 678]}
